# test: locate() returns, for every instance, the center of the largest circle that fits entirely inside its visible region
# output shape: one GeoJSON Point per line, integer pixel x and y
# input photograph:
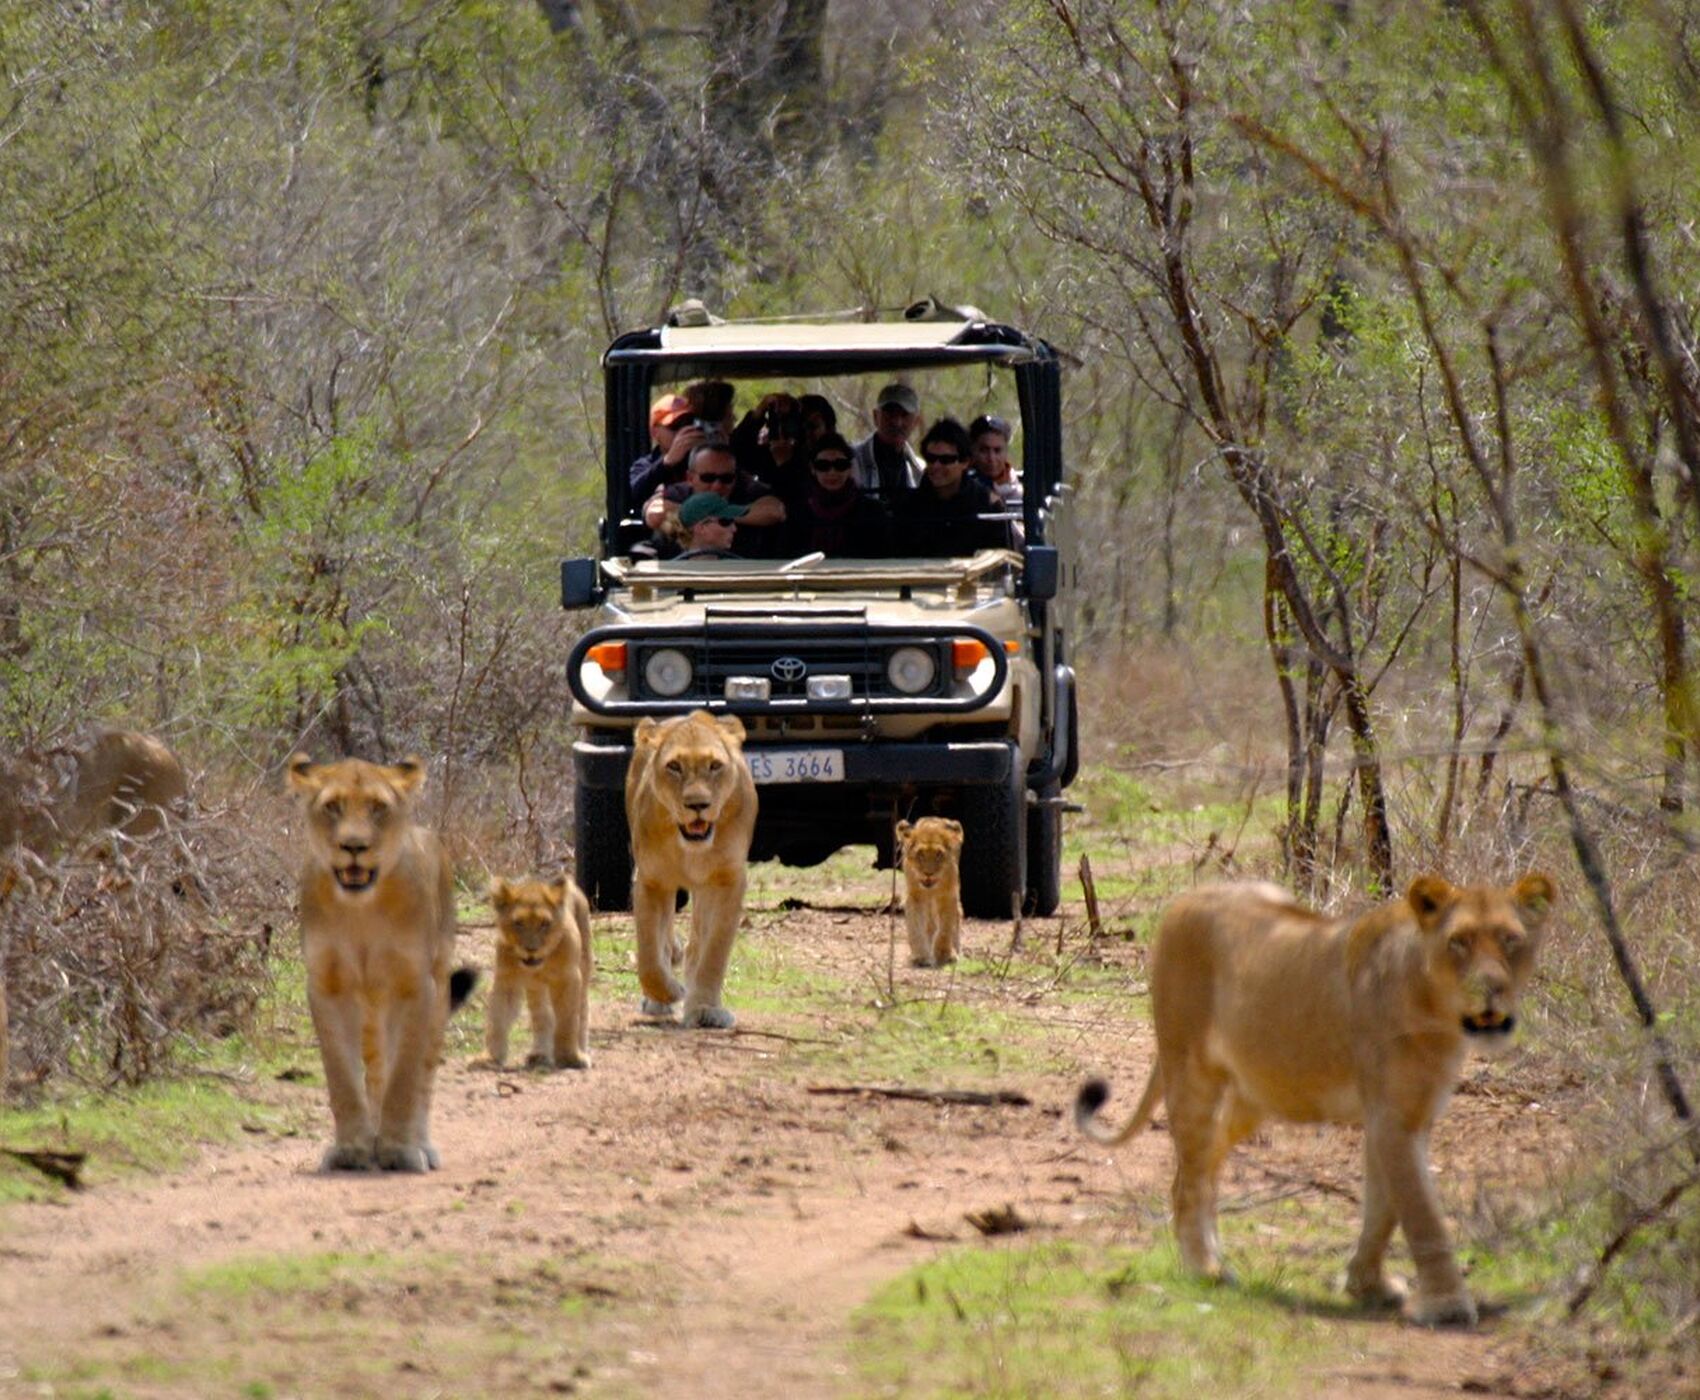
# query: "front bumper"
{"type": "Point", "coordinates": [898, 767]}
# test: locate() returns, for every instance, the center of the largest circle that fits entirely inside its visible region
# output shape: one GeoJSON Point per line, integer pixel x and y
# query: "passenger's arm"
{"type": "Point", "coordinates": [765, 510]}
{"type": "Point", "coordinates": [656, 509]}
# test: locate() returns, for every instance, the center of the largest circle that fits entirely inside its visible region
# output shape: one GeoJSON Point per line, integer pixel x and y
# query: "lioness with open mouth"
{"type": "Point", "coordinates": [377, 935]}
{"type": "Point", "coordinates": [691, 806]}
{"type": "Point", "coordinates": [1264, 1008]}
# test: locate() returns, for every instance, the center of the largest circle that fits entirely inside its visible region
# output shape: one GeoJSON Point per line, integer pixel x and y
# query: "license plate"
{"type": "Point", "coordinates": [797, 765]}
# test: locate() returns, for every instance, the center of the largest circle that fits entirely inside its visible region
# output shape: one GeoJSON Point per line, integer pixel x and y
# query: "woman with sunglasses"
{"type": "Point", "coordinates": [941, 518]}
{"type": "Point", "coordinates": [833, 515]}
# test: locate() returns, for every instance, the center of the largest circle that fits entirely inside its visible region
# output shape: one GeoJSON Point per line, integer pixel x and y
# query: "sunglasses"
{"type": "Point", "coordinates": [722, 477]}
{"type": "Point", "coordinates": [941, 458]}
{"type": "Point", "coordinates": [831, 464]}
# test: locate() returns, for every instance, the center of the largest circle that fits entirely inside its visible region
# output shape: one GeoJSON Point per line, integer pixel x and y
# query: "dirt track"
{"type": "Point", "coordinates": [686, 1215]}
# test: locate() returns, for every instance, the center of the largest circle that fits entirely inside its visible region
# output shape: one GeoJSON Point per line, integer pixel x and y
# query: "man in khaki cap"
{"type": "Point", "coordinates": [886, 465]}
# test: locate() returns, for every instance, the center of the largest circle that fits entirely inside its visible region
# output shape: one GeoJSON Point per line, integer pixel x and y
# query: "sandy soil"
{"type": "Point", "coordinates": [685, 1215]}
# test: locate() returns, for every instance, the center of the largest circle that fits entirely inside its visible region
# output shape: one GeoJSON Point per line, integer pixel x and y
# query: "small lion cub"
{"type": "Point", "coordinates": [542, 953]}
{"type": "Point", "coordinates": [932, 904]}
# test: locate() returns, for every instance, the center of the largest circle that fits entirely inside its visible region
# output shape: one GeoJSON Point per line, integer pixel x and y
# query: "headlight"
{"type": "Point", "coordinates": [911, 670]}
{"type": "Point", "coordinates": [668, 672]}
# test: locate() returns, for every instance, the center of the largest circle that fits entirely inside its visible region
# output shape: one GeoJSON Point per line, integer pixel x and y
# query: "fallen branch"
{"type": "Point", "coordinates": [66, 1167]}
{"type": "Point", "coordinates": [990, 1098]}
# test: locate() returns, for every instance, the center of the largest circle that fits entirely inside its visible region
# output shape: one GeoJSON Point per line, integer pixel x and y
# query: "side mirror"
{"type": "Point", "coordinates": [578, 583]}
{"type": "Point", "coordinates": [1041, 572]}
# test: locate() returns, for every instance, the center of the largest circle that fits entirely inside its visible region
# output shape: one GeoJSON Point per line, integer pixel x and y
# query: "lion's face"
{"type": "Point", "coordinates": [931, 848]}
{"type": "Point", "coordinates": [529, 917]}
{"type": "Point", "coordinates": [357, 814]}
{"type": "Point", "coordinates": [695, 769]}
{"type": "Point", "coordinates": [1481, 945]}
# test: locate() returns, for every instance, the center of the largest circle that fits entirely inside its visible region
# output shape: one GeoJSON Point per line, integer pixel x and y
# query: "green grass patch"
{"type": "Point", "coordinates": [291, 1274]}
{"type": "Point", "coordinates": [151, 1129]}
{"type": "Point", "coordinates": [1068, 1320]}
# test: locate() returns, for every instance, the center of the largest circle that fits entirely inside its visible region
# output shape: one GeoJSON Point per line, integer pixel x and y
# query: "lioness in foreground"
{"type": "Point", "coordinates": [1264, 1009]}
{"type": "Point", "coordinates": [691, 807]}
{"type": "Point", "coordinates": [932, 889]}
{"type": "Point", "coordinates": [377, 935]}
{"type": "Point", "coordinates": [542, 955]}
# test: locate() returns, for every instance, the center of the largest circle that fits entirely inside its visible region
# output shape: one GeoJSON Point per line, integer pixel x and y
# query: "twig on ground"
{"type": "Point", "coordinates": [986, 1097]}
{"type": "Point", "coordinates": [1094, 924]}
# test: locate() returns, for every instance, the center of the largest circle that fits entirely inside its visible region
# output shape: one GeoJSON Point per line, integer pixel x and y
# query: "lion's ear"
{"type": "Point", "coordinates": [733, 728]}
{"type": "Point", "coordinates": [408, 776]}
{"type": "Point", "coordinates": [1534, 895]}
{"type": "Point", "coordinates": [903, 831]}
{"type": "Point", "coordinates": [647, 732]}
{"type": "Point", "coordinates": [299, 777]}
{"type": "Point", "coordinates": [558, 889]}
{"type": "Point", "coordinates": [954, 827]}
{"type": "Point", "coordinates": [1429, 897]}
{"type": "Point", "coordinates": [500, 892]}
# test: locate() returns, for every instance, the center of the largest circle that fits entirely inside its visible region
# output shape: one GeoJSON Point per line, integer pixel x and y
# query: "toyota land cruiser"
{"type": "Point", "coordinates": [872, 690]}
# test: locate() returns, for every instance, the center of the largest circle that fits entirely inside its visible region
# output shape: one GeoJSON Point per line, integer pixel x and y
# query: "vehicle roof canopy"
{"type": "Point", "coordinates": [813, 348]}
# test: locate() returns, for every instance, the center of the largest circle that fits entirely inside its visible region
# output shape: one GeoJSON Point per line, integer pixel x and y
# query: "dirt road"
{"type": "Point", "coordinates": [684, 1217]}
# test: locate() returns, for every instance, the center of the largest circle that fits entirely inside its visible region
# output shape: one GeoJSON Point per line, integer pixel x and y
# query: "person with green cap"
{"type": "Point", "coordinates": [711, 521]}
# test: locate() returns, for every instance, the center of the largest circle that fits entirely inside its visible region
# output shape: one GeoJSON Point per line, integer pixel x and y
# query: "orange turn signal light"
{"type": "Point", "coordinates": [966, 652]}
{"type": "Point", "coordinates": [610, 656]}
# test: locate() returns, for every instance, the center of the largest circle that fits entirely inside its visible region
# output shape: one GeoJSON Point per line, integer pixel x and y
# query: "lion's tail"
{"type": "Point", "coordinates": [461, 982]}
{"type": "Point", "coordinates": [1094, 1093]}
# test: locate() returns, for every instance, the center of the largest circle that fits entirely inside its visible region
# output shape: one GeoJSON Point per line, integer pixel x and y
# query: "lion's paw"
{"type": "Point", "coordinates": [347, 1157]}
{"type": "Point", "coordinates": [1381, 1294]}
{"type": "Point", "coordinates": [710, 1018]}
{"type": "Point", "coordinates": [1458, 1310]}
{"type": "Point", "coordinates": [540, 1059]}
{"type": "Point", "coordinates": [651, 1007]}
{"type": "Point", "coordinates": [399, 1157]}
{"type": "Point", "coordinates": [574, 1059]}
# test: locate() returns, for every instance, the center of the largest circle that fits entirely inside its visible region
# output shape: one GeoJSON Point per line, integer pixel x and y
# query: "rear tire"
{"type": "Point", "coordinates": [603, 847]}
{"type": "Point", "coordinates": [1044, 852]}
{"type": "Point", "coordinates": [994, 845]}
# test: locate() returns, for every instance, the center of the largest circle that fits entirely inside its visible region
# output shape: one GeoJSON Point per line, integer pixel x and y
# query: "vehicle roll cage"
{"type": "Point", "coordinates": [636, 364]}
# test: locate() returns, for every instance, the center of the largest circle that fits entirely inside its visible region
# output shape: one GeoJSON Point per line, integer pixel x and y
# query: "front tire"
{"type": "Point", "coordinates": [603, 847]}
{"type": "Point", "coordinates": [994, 845]}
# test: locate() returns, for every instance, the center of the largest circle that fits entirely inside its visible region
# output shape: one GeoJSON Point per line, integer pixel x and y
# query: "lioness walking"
{"type": "Point", "coordinates": [377, 936]}
{"type": "Point", "coordinates": [1264, 1008]}
{"type": "Point", "coordinates": [691, 807]}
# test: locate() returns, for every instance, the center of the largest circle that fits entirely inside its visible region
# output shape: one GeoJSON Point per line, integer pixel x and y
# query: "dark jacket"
{"type": "Point", "coordinates": [940, 529]}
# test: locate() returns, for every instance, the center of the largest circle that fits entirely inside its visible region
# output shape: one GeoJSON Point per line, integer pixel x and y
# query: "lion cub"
{"type": "Point", "coordinates": [932, 884]}
{"type": "Point", "coordinates": [543, 955]}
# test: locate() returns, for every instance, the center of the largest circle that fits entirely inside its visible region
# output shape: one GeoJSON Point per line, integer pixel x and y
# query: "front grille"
{"type": "Point", "coordinates": [787, 664]}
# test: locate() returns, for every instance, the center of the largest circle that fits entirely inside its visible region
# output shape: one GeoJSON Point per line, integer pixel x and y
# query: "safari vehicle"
{"type": "Point", "coordinates": [871, 690]}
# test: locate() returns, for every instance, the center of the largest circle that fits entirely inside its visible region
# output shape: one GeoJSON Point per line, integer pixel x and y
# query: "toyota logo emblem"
{"type": "Point", "coordinates": [789, 669]}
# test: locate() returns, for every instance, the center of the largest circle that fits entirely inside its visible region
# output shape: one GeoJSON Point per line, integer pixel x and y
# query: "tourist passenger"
{"type": "Point", "coordinates": [886, 465]}
{"type": "Point", "coordinates": [671, 440]}
{"type": "Point", "coordinates": [819, 418]}
{"type": "Point", "coordinates": [710, 522]}
{"type": "Point", "coordinates": [941, 517]}
{"type": "Point", "coordinates": [768, 441]}
{"type": "Point", "coordinates": [990, 436]}
{"type": "Point", "coordinates": [835, 516]}
{"type": "Point", "coordinates": [713, 467]}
